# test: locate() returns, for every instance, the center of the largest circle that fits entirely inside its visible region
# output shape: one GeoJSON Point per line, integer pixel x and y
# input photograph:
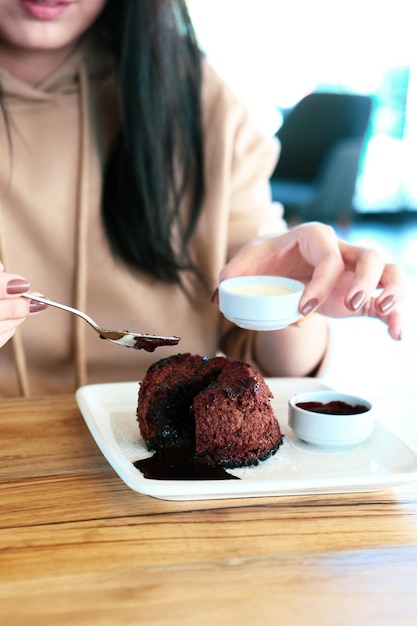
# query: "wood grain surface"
{"type": "Point", "coordinates": [77, 546]}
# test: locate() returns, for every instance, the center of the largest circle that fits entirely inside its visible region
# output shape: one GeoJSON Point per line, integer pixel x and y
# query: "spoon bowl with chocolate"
{"type": "Point", "coordinates": [330, 419]}
{"type": "Point", "coordinates": [138, 341]}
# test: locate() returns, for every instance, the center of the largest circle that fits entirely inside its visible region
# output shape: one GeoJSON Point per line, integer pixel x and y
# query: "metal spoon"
{"type": "Point", "coordinates": [138, 341]}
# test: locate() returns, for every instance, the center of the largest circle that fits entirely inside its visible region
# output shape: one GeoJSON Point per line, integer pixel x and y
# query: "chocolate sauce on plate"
{"type": "Point", "coordinates": [179, 463]}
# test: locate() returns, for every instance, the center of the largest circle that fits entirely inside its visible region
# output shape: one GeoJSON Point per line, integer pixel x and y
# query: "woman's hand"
{"type": "Point", "coordinates": [13, 309]}
{"type": "Point", "coordinates": [340, 279]}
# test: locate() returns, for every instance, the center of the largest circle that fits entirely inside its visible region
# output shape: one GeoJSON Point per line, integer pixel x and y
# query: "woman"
{"type": "Point", "coordinates": [131, 180]}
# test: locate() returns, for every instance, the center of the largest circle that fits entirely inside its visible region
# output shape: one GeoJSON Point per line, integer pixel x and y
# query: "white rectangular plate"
{"type": "Point", "coordinates": [382, 461]}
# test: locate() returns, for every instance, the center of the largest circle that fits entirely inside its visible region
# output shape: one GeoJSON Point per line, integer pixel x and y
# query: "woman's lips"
{"type": "Point", "coordinates": [45, 9]}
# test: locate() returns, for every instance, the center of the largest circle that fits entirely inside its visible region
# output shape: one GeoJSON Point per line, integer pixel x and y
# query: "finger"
{"type": "Point", "coordinates": [4, 337]}
{"type": "Point", "coordinates": [322, 251]}
{"type": "Point", "coordinates": [6, 326]}
{"type": "Point", "coordinates": [14, 309]}
{"type": "Point", "coordinates": [395, 322]}
{"type": "Point", "coordinates": [323, 281]}
{"type": "Point", "coordinates": [393, 319]}
{"type": "Point", "coordinates": [12, 285]}
{"type": "Point", "coordinates": [253, 258]}
{"type": "Point", "coordinates": [366, 277]}
{"type": "Point", "coordinates": [371, 275]}
{"type": "Point", "coordinates": [392, 288]}
{"type": "Point", "coordinates": [8, 329]}
{"type": "Point", "coordinates": [370, 270]}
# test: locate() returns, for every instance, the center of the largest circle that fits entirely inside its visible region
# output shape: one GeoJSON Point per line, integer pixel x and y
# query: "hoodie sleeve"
{"type": "Point", "coordinates": [252, 212]}
{"type": "Point", "coordinates": [239, 162]}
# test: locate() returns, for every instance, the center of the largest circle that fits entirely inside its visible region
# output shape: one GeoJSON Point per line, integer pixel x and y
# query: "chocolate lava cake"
{"type": "Point", "coordinates": [218, 407]}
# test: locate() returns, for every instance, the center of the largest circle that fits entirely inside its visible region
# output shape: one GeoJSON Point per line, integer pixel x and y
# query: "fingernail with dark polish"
{"type": "Point", "coordinates": [35, 306]}
{"type": "Point", "coordinates": [357, 300]}
{"type": "Point", "coordinates": [387, 303]}
{"type": "Point", "coordinates": [215, 296]}
{"type": "Point", "coordinates": [309, 306]}
{"type": "Point", "coordinates": [17, 285]}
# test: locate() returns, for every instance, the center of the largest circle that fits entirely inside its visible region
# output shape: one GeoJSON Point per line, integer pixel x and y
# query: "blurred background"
{"type": "Point", "coordinates": [274, 53]}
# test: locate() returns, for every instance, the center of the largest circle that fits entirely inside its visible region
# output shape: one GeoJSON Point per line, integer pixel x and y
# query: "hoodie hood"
{"type": "Point", "coordinates": [91, 52]}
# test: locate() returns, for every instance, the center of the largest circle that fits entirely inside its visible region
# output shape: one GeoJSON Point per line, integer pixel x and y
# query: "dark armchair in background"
{"type": "Point", "coordinates": [321, 144]}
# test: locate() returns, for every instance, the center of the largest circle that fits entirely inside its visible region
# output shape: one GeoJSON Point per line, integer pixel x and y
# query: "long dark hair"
{"type": "Point", "coordinates": [158, 155]}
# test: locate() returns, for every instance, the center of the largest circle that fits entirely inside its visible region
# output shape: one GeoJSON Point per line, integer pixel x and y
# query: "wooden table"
{"type": "Point", "coordinates": [77, 546]}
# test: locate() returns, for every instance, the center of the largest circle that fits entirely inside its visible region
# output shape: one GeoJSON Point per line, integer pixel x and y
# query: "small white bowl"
{"type": "Point", "coordinates": [331, 429]}
{"type": "Point", "coordinates": [260, 302]}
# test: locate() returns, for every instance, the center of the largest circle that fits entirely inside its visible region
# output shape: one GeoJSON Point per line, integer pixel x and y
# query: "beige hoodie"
{"type": "Point", "coordinates": [51, 231]}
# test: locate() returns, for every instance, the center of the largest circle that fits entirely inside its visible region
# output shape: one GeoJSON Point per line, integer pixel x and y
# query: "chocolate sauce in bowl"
{"type": "Point", "coordinates": [334, 407]}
